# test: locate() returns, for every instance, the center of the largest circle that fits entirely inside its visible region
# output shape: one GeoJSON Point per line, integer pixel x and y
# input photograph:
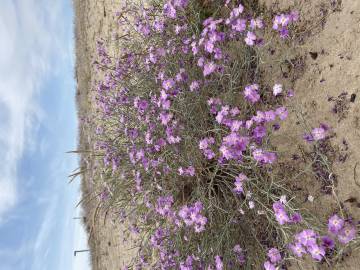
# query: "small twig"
{"type": "Point", "coordinates": [355, 175]}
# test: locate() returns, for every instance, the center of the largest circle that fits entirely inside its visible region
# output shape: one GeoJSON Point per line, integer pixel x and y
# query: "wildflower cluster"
{"type": "Point", "coordinates": [282, 21]}
{"type": "Point", "coordinates": [183, 132]}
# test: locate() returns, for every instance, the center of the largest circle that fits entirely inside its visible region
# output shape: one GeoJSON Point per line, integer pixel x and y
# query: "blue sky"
{"type": "Point", "coordinates": [37, 126]}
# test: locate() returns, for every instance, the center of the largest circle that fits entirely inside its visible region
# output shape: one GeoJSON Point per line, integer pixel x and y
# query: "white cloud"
{"type": "Point", "coordinates": [31, 36]}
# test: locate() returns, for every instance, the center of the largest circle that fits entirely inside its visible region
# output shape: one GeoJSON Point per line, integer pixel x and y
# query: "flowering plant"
{"type": "Point", "coordinates": [182, 138]}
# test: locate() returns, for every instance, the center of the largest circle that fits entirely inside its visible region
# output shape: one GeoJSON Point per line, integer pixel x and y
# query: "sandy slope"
{"type": "Point", "coordinates": [328, 52]}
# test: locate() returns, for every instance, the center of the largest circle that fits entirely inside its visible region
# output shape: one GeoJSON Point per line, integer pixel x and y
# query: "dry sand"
{"type": "Point", "coordinates": [326, 65]}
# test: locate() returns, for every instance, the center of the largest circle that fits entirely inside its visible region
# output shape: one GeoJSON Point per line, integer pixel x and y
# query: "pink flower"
{"type": "Point", "coordinates": [307, 237]}
{"type": "Point", "coordinates": [318, 133]}
{"type": "Point", "coordinates": [316, 252]}
{"type": "Point", "coordinates": [256, 23]}
{"type": "Point", "coordinates": [282, 217]}
{"type": "Point", "coordinates": [297, 249]}
{"type": "Point", "coordinates": [209, 46]}
{"type": "Point", "coordinates": [239, 180]}
{"type": "Point", "coordinates": [239, 25]}
{"type": "Point", "coordinates": [282, 112]}
{"type": "Point", "coordinates": [209, 68]}
{"type": "Point", "coordinates": [335, 224]}
{"type": "Point", "coordinates": [263, 156]}
{"type": "Point", "coordinates": [194, 86]}
{"type": "Point", "coordinates": [251, 93]}
{"type": "Point", "coordinates": [277, 89]}
{"type": "Point", "coordinates": [274, 255]}
{"type": "Point", "coordinates": [180, 3]}
{"type": "Point", "coordinates": [269, 266]}
{"type": "Point", "coordinates": [280, 213]}
{"type": "Point", "coordinates": [201, 62]}
{"type": "Point", "coordinates": [165, 118]}
{"type": "Point", "coordinates": [218, 263]}
{"type": "Point", "coordinates": [250, 38]}
{"type": "Point", "coordinates": [190, 171]}
{"type": "Point", "coordinates": [169, 10]}
{"type": "Point", "coordinates": [209, 154]}
{"type": "Point", "coordinates": [168, 84]}
{"type": "Point", "coordinates": [347, 233]}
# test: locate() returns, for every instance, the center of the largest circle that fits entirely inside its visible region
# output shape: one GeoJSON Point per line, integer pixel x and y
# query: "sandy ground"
{"type": "Point", "coordinates": [325, 63]}
{"type": "Point", "coordinates": [326, 66]}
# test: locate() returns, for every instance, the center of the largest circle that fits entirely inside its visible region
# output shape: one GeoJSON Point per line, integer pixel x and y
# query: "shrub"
{"type": "Point", "coordinates": [183, 134]}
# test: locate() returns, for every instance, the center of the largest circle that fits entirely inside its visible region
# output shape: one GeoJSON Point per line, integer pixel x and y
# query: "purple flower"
{"type": "Point", "coordinates": [239, 25]}
{"type": "Point", "coordinates": [180, 3]}
{"type": "Point", "coordinates": [280, 213]}
{"type": "Point", "coordinates": [209, 46]}
{"type": "Point", "coordinates": [164, 204]}
{"type": "Point", "coordinates": [209, 68]}
{"type": "Point", "coordinates": [296, 218]}
{"type": "Point", "coordinates": [316, 251]}
{"type": "Point", "coordinates": [318, 133]}
{"type": "Point", "coordinates": [190, 171]}
{"type": "Point", "coordinates": [251, 93]}
{"type": "Point", "coordinates": [192, 216]}
{"type": "Point", "coordinates": [218, 263]}
{"type": "Point", "coordinates": [233, 145]}
{"type": "Point", "coordinates": [200, 223]}
{"type": "Point", "coordinates": [206, 142]}
{"type": "Point", "coordinates": [259, 132]}
{"type": "Point", "coordinates": [201, 62]}
{"type": "Point", "coordinates": [236, 125]}
{"type": "Point", "coordinates": [335, 224]}
{"type": "Point", "coordinates": [158, 26]}
{"type": "Point", "coordinates": [194, 86]}
{"type": "Point", "coordinates": [239, 181]}
{"type": "Point", "coordinates": [290, 93]}
{"type": "Point", "coordinates": [250, 38]}
{"type": "Point", "coordinates": [347, 233]}
{"type": "Point", "coordinates": [297, 249]}
{"type": "Point", "coordinates": [274, 255]}
{"type": "Point", "coordinates": [308, 137]}
{"type": "Point", "coordinates": [260, 117]}
{"type": "Point", "coordinates": [256, 23]}
{"type": "Point", "coordinates": [263, 156]}
{"type": "Point", "coordinates": [307, 237]}
{"type": "Point", "coordinates": [327, 242]}
{"type": "Point", "coordinates": [239, 254]}
{"type": "Point", "coordinates": [282, 217]}
{"type": "Point", "coordinates": [168, 84]}
{"type": "Point", "coordinates": [165, 118]}
{"type": "Point", "coordinates": [294, 15]}
{"type": "Point", "coordinates": [269, 116]}
{"type": "Point", "coordinates": [269, 266]}
{"type": "Point", "coordinates": [278, 206]}
{"type": "Point", "coordinates": [218, 54]}
{"type": "Point", "coordinates": [209, 154]}
{"type": "Point", "coordinates": [281, 21]}
{"type": "Point", "coordinates": [284, 33]}
{"type": "Point", "coordinates": [169, 10]}
{"type": "Point", "coordinates": [282, 112]}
